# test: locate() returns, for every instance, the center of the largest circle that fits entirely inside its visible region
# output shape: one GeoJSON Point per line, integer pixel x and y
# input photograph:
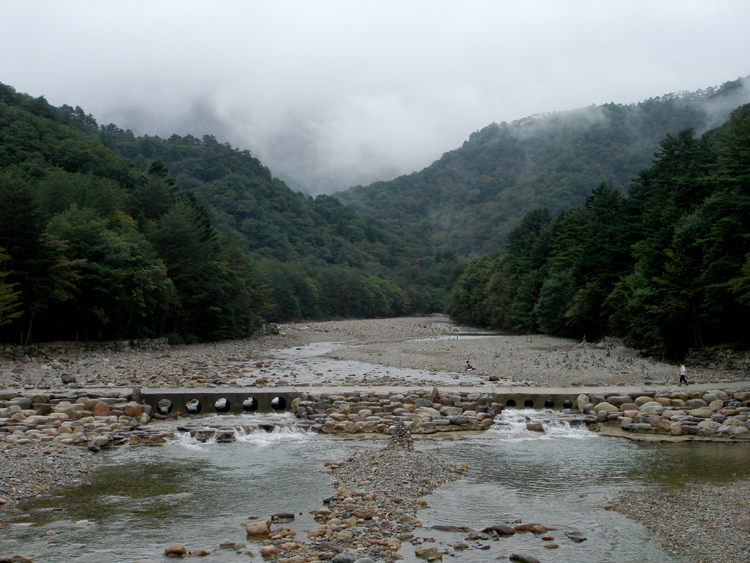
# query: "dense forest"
{"type": "Point", "coordinates": [108, 235]}
{"type": "Point", "coordinates": [665, 266]}
{"type": "Point", "coordinates": [104, 234]}
{"type": "Point", "coordinates": [318, 258]}
{"type": "Point", "coordinates": [470, 199]}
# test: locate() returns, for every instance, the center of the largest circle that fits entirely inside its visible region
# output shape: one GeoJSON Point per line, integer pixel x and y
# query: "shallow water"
{"type": "Point", "coordinates": [198, 494]}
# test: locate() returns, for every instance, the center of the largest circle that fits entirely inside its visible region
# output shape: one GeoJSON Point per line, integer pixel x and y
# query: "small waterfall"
{"type": "Point", "coordinates": [519, 424]}
{"type": "Point", "coordinates": [256, 429]}
{"type": "Point", "coordinates": [262, 438]}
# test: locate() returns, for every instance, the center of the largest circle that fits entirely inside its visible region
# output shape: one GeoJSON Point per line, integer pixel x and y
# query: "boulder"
{"type": "Point", "coordinates": [500, 529]}
{"type": "Point", "coordinates": [101, 409]}
{"type": "Point", "coordinates": [582, 401]}
{"type": "Point", "coordinates": [577, 537]}
{"type": "Point", "coordinates": [175, 550]}
{"type": "Point", "coordinates": [523, 558]}
{"type": "Point", "coordinates": [618, 400]}
{"type": "Point", "coordinates": [428, 553]}
{"type": "Point", "coordinates": [256, 528]}
{"type": "Point", "coordinates": [695, 403]}
{"type": "Point", "coordinates": [659, 422]}
{"type": "Point", "coordinates": [716, 405]}
{"type": "Point", "coordinates": [289, 546]}
{"type": "Point", "coordinates": [133, 409]}
{"type": "Point", "coordinates": [652, 408]}
{"type": "Point", "coordinates": [708, 427]}
{"type": "Point", "coordinates": [269, 550]}
{"type": "Point", "coordinates": [364, 513]}
{"type": "Point", "coordinates": [410, 519]}
{"type": "Point", "coordinates": [605, 407]}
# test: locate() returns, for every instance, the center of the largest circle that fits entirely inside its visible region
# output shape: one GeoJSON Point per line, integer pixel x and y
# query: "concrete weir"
{"type": "Point", "coordinates": [212, 401]}
{"type": "Point", "coordinates": [265, 400]}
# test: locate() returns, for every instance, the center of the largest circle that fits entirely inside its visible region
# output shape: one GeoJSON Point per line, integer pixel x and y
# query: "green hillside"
{"type": "Point", "coordinates": [319, 258]}
{"type": "Point", "coordinates": [472, 197]}
{"type": "Point", "coordinates": [106, 235]}
{"type": "Point", "coordinates": [666, 266]}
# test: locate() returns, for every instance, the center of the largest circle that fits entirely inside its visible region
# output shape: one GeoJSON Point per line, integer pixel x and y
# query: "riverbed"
{"type": "Point", "coordinates": [144, 499]}
{"type": "Point", "coordinates": [139, 500]}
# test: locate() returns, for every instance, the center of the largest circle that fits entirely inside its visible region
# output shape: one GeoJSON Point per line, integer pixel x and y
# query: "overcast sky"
{"type": "Point", "coordinates": [331, 94]}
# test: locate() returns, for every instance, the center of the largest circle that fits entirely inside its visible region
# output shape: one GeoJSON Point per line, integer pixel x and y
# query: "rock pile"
{"type": "Point", "coordinates": [702, 522]}
{"type": "Point", "coordinates": [715, 413]}
{"type": "Point", "coordinates": [420, 411]}
{"type": "Point", "coordinates": [719, 357]}
{"type": "Point", "coordinates": [93, 419]}
{"type": "Point", "coordinates": [373, 511]}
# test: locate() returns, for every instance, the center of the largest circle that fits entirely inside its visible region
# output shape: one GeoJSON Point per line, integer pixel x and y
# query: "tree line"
{"type": "Point", "coordinates": [107, 235]}
{"type": "Point", "coordinates": [666, 266]}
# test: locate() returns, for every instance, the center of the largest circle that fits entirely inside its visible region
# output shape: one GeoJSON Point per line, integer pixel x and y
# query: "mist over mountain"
{"type": "Point", "coordinates": [107, 235]}
{"type": "Point", "coordinates": [144, 235]}
{"type": "Point", "coordinates": [468, 200]}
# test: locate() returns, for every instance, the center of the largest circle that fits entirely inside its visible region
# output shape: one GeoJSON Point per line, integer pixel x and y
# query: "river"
{"type": "Point", "coordinates": [142, 499]}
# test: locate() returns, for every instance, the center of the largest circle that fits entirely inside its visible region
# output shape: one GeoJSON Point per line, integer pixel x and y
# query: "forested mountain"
{"type": "Point", "coordinates": [472, 197]}
{"type": "Point", "coordinates": [666, 266]}
{"type": "Point", "coordinates": [319, 258]}
{"type": "Point", "coordinates": [105, 235]}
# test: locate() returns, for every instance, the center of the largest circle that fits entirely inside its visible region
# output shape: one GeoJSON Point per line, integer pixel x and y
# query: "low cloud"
{"type": "Point", "coordinates": [331, 94]}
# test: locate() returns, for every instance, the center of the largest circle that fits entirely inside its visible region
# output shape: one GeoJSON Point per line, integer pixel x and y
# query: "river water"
{"type": "Point", "coordinates": [143, 499]}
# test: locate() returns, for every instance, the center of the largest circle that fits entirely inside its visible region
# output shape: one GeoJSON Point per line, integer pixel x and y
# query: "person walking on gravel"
{"type": "Point", "coordinates": [683, 373]}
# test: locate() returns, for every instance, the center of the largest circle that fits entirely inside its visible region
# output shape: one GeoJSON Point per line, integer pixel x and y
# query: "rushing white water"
{"type": "Point", "coordinates": [245, 428]}
{"type": "Point", "coordinates": [511, 425]}
{"type": "Point", "coordinates": [260, 437]}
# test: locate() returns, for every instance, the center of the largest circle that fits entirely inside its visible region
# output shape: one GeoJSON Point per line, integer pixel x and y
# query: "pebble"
{"type": "Point", "coordinates": [699, 520]}
{"type": "Point", "coordinates": [30, 470]}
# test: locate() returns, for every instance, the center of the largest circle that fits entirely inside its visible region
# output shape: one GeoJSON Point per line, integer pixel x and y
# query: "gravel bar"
{"type": "Point", "coordinates": [706, 522]}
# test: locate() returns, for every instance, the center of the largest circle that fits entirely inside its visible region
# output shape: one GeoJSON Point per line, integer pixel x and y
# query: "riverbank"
{"type": "Point", "coordinates": [533, 359]}
{"type": "Point", "coordinates": [706, 522]}
{"type": "Point", "coordinates": [31, 470]}
{"type": "Point", "coordinates": [396, 343]}
{"type": "Point", "coordinates": [430, 344]}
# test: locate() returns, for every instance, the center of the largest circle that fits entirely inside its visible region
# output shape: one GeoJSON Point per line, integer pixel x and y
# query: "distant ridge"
{"type": "Point", "coordinates": [468, 200]}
